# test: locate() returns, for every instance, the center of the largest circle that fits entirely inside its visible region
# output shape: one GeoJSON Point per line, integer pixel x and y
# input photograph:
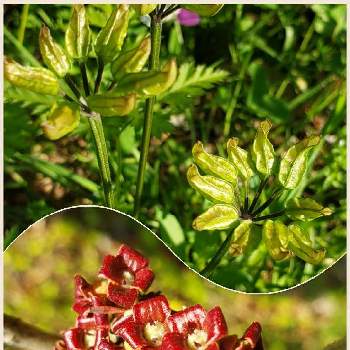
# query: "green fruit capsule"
{"type": "Point", "coordinates": [275, 236]}
{"type": "Point", "coordinates": [294, 162]}
{"type": "Point", "coordinates": [301, 245]}
{"type": "Point", "coordinates": [306, 209]}
{"type": "Point", "coordinates": [240, 238]}
{"type": "Point", "coordinates": [239, 158]}
{"type": "Point", "coordinates": [262, 151]}
{"type": "Point", "coordinates": [78, 35]}
{"type": "Point", "coordinates": [217, 217]}
{"type": "Point", "coordinates": [214, 165]}
{"type": "Point", "coordinates": [143, 9]}
{"type": "Point", "coordinates": [205, 10]}
{"type": "Point", "coordinates": [110, 39]}
{"type": "Point", "coordinates": [39, 80]}
{"type": "Point", "coordinates": [62, 120]}
{"type": "Point", "coordinates": [110, 105]}
{"type": "Point", "coordinates": [132, 61]}
{"type": "Point", "coordinates": [53, 54]}
{"type": "Point", "coordinates": [212, 188]}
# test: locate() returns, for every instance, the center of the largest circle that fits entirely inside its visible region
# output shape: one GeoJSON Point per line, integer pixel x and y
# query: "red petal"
{"type": "Point", "coordinates": [86, 322]}
{"type": "Point", "coordinates": [122, 297]}
{"type": "Point", "coordinates": [151, 310]}
{"type": "Point", "coordinates": [106, 345]}
{"type": "Point", "coordinates": [74, 339]}
{"type": "Point", "coordinates": [143, 278]}
{"type": "Point", "coordinates": [215, 324]}
{"type": "Point", "coordinates": [229, 343]}
{"type": "Point", "coordinates": [81, 294]}
{"type": "Point", "coordinates": [112, 268]}
{"type": "Point", "coordinates": [173, 341]}
{"type": "Point", "coordinates": [253, 334]}
{"type": "Point", "coordinates": [187, 320]}
{"type": "Point", "coordinates": [212, 346]}
{"type": "Point", "coordinates": [119, 322]}
{"type": "Point", "coordinates": [132, 333]}
{"type": "Point", "coordinates": [133, 259]}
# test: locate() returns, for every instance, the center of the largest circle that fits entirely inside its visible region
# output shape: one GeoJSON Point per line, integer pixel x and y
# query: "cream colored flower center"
{"type": "Point", "coordinates": [197, 340]}
{"type": "Point", "coordinates": [128, 279]}
{"type": "Point", "coordinates": [154, 333]}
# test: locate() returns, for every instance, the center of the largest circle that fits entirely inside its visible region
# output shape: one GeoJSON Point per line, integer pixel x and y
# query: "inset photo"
{"type": "Point", "coordinates": [93, 278]}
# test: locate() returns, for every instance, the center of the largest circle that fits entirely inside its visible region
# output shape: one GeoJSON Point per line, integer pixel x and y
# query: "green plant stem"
{"type": "Point", "coordinates": [23, 23]}
{"type": "Point", "coordinates": [98, 80]}
{"type": "Point", "coordinates": [85, 78]}
{"type": "Point", "coordinates": [68, 79]}
{"type": "Point", "coordinates": [273, 197]}
{"type": "Point", "coordinates": [156, 33]}
{"type": "Point", "coordinates": [270, 216]}
{"type": "Point", "coordinates": [102, 158]}
{"type": "Point", "coordinates": [214, 262]}
{"type": "Point", "coordinates": [257, 194]}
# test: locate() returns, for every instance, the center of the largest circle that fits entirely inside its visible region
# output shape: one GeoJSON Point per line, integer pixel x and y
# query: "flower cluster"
{"type": "Point", "coordinates": [115, 313]}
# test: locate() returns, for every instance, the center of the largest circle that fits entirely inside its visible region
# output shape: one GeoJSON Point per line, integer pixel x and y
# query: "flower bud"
{"type": "Point", "coordinates": [110, 39]}
{"type": "Point", "coordinates": [39, 80]}
{"type": "Point", "coordinates": [143, 9]}
{"type": "Point", "coordinates": [132, 61]}
{"type": "Point", "coordinates": [205, 10]}
{"type": "Point", "coordinates": [53, 54]}
{"type": "Point", "coordinates": [78, 35]}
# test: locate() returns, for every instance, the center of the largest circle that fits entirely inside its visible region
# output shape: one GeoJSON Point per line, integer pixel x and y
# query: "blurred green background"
{"type": "Point", "coordinates": [249, 62]}
{"type": "Point", "coordinates": [40, 265]}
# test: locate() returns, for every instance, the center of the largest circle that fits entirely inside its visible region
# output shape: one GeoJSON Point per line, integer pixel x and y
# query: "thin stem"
{"type": "Point", "coordinates": [98, 80]}
{"type": "Point", "coordinates": [23, 25]}
{"type": "Point", "coordinates": [113, 83]}
{"type": "Point", "coordinates": [257, 194]}
{"type": "Point", "coordinates": [214, 262]}
{"type": "Point", "coordinates": [273, 197]}
{"type": "Point", "coordinates": [102, 158]}
{"type": "Point", "coordinates": [170, 10]}
{"type": "Point", "coordinates": [270, 216]}
{"type": "Point", "coordinates": [85, 78]}
{"type": "Point", "coordinates": [156, 33]}
{"type": "Point", "coordinates": [72, 86]}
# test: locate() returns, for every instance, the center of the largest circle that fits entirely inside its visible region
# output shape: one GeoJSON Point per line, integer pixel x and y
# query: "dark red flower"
{"type": "Point", "coordinates": [147, 325]}
{"type": "Point", "coordinates": [82, 295]}
{"type": "Point", "coordinates": [128, 274]}
{"type": "Point", "coordinates": [251, 339]}
{"type": "Point", "coordinates": [74, 339]}
{"type": "Point", "coordinates": [198, 328]}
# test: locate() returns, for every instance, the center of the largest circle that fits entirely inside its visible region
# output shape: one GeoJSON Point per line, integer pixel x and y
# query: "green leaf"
{"type": "Point", "coordinates": [301, 245]}
{"type": "Point", "coordinates": [262, 151]}
{"type": "Point", "coordinates": [214, 165]}
{"type": "Point", "coordinates": [239, 158]}
{"type": "Point", "coordinates": [306, 209]}
{"type": "Point", "coordinates": [144, 9]}
{"type": "Point", "coordinates": [194, 80]}
{"type": "Point", "coordinates": [275, 237]}
{"type": "Point", "coordinates": [240, 238]}
{"type": "Point", "coordinates": [212, 188]}
{"type": "Point", "coordinates": [78, 35]}
{"type": "Point", "coordinates": [61, 122]}
{"type": "Point", "coordinates": [217, 217]}
{"type": "Point", "coordinates": [172, 227]}
{"type": "Point", "coordinates": [294, 162]}
{"type": "Point", "coordinates": [205, 9]}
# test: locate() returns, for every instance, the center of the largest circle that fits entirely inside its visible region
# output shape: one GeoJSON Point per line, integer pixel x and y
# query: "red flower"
{"type": "Point", "coordinates": [147, 324]}
{"type": "Point", "coordinates": [251, 339]}
{"type": "Point", "coordinates": [82, 295]}
{"type": "Point", "coordinates": [194, 328]}
{"type": "Point", "coordinates": [128, 274]}
{"type": "Point", "coordinates": [74, 339]}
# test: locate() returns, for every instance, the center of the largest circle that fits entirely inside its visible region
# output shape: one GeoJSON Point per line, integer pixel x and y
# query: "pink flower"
{"type": "Point", "coordinates": [188, 18]}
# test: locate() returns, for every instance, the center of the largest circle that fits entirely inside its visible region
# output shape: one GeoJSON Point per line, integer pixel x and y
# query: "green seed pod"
{"type": "Point", "coordinates": [53, 55]}
{"type": "Point", "coordinates": [39, 80]}
{"type": "Point", "coordinates": [110, 39]}
{"type": "Point", "coordinates": [294, 162]}
{"type": "Point", "coordinates": [78, 35]}
{"type": "Point", "coordinates": [205, 10]}
{"type": "Point", "coordinates": [239, 158]}
{"type": "Point", "coordinates": [132, 61]}
{"type": "Point", "coordinates": [61, 121]}
{"type": "Point", "coordinates": [275, 235]}
{"type": "Point", "coordinates": [110, 105]}
{"type": "Point", "coordinates": [217, 217]}
{"type": "Point", "coordinates": [143, 9]}
{"type": "Point", "coordinates": [214, 165]}
{"type": "Point", "coordinates": [263, 152]}
{"type": "Point", "coordinates": [301, 245]}
{"type": "Point", "coordinates": [212, 188]}
{"type": "Point", "coordinates": [149, 83]}
{"type": "Point", "coordinates": [240, 238]}
{"type": "Point", "coordinates": [306, 209]}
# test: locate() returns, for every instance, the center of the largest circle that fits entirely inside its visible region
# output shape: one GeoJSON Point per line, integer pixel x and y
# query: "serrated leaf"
{"type": "Point", "coordinates": [240, 238]}
{"type": "Point", "coordinates": [217, 217]}
{"type": "Point", "coordinates": [262, 151]}
{"type": "Point", "coordinates": [275, 236]}
{"type": "Point", "coordinates": [194, 80]}
{"type": "Point", "coordinates": [212, 188]}
{"type": "Point", "coordinates": [306, 209]}
{"type": "Point", "coordinates": [294, 162]}
{"type": "Point", "coordinates": [301, 245]}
